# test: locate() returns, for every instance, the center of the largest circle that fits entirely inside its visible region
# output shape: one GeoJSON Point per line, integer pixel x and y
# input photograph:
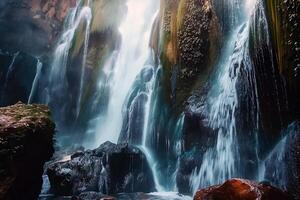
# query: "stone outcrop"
{"type": "Point", "coordinates": [186, 37]}
{"type": "Point", "coordinates": [26, 143]}
{"type": "Point", "coordinates": [283, 18]}
{"type": "Point", "coordinates": [239, 189]}
{"type": "Point", "coordinates": [109, 169]}
{"type": "Point", "coordinates": [32, 26]}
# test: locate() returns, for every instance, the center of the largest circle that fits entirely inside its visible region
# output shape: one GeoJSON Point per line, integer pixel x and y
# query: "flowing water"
{"type": "Point", "coordinates": [88, 17]}
{"type": "Point", "coordinates": [134, 52]}
{"type": "Point", "coordinates": [39, 67]}
{"type": "Point", "coordinates": [57, 84]}
{"type": "Point", "coordinates": [271, 168]}
{"type": "Point", "coordinates": [121, 69]}
{"type": "Point", "coordinates": [221, 162]}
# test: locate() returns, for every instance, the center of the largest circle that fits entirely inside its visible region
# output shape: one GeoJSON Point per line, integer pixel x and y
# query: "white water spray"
{"type": "Point", "coordinates": [134, 51]}
{"type": "Point", "coordinates": [57, 76]}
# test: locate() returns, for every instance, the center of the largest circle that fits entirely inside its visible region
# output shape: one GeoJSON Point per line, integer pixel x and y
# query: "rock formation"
{"type": "Point", "coordinates": [109, 169]}
{"type": "Point", "coordinates": [26, 143]}
{"type": "Point", "coordinates": [238, 189]}
{"type": "Point", "coordinates": [186, 37]}
{"type": "Point", "coordinates": [32, 26]}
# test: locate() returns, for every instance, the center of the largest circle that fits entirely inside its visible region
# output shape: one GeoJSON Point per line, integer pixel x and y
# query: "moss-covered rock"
{"type": "Point", "coordinates": [26, 143]}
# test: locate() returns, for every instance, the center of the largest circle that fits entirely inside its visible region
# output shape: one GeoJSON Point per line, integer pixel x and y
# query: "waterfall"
{"type": "Point", "coordinates": [88, 17]}
{"type": "Point", "coordinates": [148, 117]}
{"type": "Point", "coordinates": [57, 83]}
{"type": "Point", "coordinates": [35, 81]}
{"type": "Point", "coordinates": [221, 161]}
{"type": "Point", "coordinates": [134, 52]}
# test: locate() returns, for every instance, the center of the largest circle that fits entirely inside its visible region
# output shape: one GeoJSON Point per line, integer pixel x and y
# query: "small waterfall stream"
{"type": "Point", "coordinates": [39, 67]}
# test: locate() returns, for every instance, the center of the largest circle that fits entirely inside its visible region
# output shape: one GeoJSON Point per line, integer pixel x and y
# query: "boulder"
{"type": "Point", "coordinates": [26, 143]}
{"type": "Point", "coordinates": [109, 169]}
{"type": "Point", "coordinates": [239, 189]}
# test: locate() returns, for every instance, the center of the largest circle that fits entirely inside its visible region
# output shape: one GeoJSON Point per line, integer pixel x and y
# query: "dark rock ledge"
{"type": "Point", "coordinates": [26, 143]}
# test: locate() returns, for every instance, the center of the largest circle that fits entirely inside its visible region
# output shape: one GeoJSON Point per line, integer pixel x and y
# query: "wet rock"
{"type": "Point", "coordinates": [17, 73]}
{"type": "Point", "coordinates": [189, 42]}
{"type": "Point", "coordinates": [239, 189]}
{"type": "Point", "coordinates": [283, 18]}
{"type": "Point", "coordinates": [26, 143]}
{"type": "Point", "coordinates": [109, 169]}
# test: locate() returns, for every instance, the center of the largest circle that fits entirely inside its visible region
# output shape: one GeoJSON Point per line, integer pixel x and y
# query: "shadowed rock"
{"type": "Point", "coordinates": [26, 143]}
{"type": "Point", "coordinates": [109, 169]}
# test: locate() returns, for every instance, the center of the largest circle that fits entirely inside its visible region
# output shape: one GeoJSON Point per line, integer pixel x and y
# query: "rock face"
{"type": "Point", "coordinates": [26, 143]}
{"type": "Point", "coordinates": [239, 189]}
{"type": "Point", "coordinates": [187, 38]}
{"type": "Point", "coordinates": [27, 22]}
{"type": "Point", "coordinates": [109, 169]}
{"type": "Point", "coordinates": [17, 73]}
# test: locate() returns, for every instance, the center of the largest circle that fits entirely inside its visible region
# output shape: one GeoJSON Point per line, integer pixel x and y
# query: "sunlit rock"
{"type": "Point", "coordinates": [187, 38]}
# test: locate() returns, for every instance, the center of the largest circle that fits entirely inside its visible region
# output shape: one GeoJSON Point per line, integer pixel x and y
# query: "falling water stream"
{"type": "Point", "coordinates": [57, 85]}
{"type": "Point", "coordinates": [221, 162]}
{"type": "Point", "coordinates": [134, 52]}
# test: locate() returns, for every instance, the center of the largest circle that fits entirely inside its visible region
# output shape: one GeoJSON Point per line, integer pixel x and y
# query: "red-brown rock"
{"type": "Point", "coordinates": [239, 189]}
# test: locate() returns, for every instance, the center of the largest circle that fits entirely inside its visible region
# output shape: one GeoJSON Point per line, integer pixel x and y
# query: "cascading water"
{"type": "Point", "coordinates": [39, 67]}
{"type": "Point", "coordinates": [222, 161]}
{"type": "Point", "coordinates": [134, 52]}
{"type": "Point", "coordinates": [57, 84]}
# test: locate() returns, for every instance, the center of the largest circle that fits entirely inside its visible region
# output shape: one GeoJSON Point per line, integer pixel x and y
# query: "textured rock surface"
{"type": "Point", "coordinates": [16, 76]}
{"type": "Point", "coordinates": [238, 189]}
{"type": "Point", "coordinates": [187, 43]}
{"type": "Point", "coordinates": [32, 26]}
{"type": "Point", "coordinates": [109, 169]}
{"type": "Point", "coordinates": [26, 143]}
{"type": "Point", "coordinates": [283, 17]}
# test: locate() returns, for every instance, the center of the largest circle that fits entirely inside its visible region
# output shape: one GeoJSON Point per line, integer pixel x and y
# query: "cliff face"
{"type": "Point", "coordinates": [32, 26]}
{"type": "Point", "coordinates": [283, 17]}
{"type": "Point", "coordinates": [186, 36]}
{"type": "Point", "coordinates": [26, 143]}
